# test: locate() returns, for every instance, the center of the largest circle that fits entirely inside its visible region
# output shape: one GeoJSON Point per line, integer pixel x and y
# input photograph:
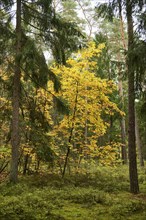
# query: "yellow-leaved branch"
{"type": "Point", "coordinates": [88, 99]}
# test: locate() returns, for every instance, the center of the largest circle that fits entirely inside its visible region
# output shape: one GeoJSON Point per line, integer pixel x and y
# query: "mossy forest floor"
{"type": "Point", "coordinates": [102, 194]}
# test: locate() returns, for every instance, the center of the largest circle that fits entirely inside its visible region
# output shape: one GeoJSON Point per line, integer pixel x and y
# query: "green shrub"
{"type": "Point", "coordinates": [127, 208]}
{"type": "Point", "coordinates": [102, 194]}
{"type": "Point", "coordinates": [29, 206]}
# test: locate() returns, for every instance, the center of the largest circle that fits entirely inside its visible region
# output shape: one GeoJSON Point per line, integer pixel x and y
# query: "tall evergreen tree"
{"type": "Point", "coordinates": [109, 10]}
{"type": "Point", "coordinates": [15, 137]}
{"type": "Point", "coordinates": [134, 187]}
{"type": "Point", "coordinates": [37, 19]}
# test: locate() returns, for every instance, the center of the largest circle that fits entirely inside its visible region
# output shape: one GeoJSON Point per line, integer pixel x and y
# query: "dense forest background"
{"type": "Point", "coordinates": [73, 106]}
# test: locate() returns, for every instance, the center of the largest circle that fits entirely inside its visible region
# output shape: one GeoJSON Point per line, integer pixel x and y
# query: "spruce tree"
{"type": "Point", "coordinates": [109, 10]}
{"type": "Point", "coordinates": [34, 20]}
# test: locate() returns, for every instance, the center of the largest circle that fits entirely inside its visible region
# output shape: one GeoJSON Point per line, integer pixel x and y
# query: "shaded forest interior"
{"type": "Point", "coordinates": [73, 109]}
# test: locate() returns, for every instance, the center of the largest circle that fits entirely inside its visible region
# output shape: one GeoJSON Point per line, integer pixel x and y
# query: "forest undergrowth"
{"type": "Point", "coordinates": [99, 194]}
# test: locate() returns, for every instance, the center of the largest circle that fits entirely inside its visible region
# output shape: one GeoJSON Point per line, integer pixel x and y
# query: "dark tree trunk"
{"type": "Point", "coordinates": [71, 134]}
{"type": "Point", "coordinates": [134, 186]}
{"type": "Point", "coordinates": [25, 167]}
{"type": "Point", "coordinates": [138, 142]}
{"type": "Point", "coordinates": [15, 137]}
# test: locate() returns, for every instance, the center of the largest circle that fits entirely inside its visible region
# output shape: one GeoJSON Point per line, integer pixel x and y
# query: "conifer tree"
{"type": "Point", "coordinates": [37, 19]}
{"type": "Point", "coordinates": [109, 10]}
{"type": "Point", "coordinates": [15, 137]}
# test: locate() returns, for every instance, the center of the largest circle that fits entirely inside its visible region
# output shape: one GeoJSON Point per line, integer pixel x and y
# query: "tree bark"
{"type": "Point", "coordinates": [71, 133]}
{"type": "Point", "coordinates": [122, 124]}
{"type": "Point", "coordinates": [15, 136]}
{"type": "Point", "coordinates": [138, 141]}
{"type": "Point", "coordinates": [25, 167]}
{"type": "Point", "coordinates": [120, 85]}
{"type": "Point", "coordinates": [134, 186]}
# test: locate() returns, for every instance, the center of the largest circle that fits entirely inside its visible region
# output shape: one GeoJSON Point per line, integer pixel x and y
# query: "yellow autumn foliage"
{"type": "Point", "coordinates": [88, 99]}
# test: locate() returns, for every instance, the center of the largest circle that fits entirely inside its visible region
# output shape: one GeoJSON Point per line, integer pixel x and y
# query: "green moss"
{"type": "Point", "coordinates": [101, 195]}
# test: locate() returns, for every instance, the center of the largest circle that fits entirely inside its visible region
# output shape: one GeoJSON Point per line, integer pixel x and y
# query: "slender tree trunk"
{"type": "Point", "coordinates": [25, 167]}
{"type": "Point", "coordinates": [138, 141]}
{"type": "Point", "coordinates": [123, 125]}
{"type": "Point", "coordinates": [71, 133]}
{"type": "Point", "coordinates": [134, 186]}
{"type": "Point", "coordinates": [123, 128]}
{"type": "Point", "coordinates": [86, 125]}
{"type": "Point", "coordinates": [123, 135]}
{"type": "Point", "coordinates": [15, 137]}
{"type": "Point", "coordinates": [121, 25]}
{"type": "Point", "coordinates": [3, 166]}
{"type": "Point", "coordinates": [120, 84]}
{"type": "Point", "coordinates": [66, 160]}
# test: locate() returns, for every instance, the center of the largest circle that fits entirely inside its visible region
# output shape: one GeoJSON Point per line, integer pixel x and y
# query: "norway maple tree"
{"type": "Point", "coordinates": [88, 100]}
